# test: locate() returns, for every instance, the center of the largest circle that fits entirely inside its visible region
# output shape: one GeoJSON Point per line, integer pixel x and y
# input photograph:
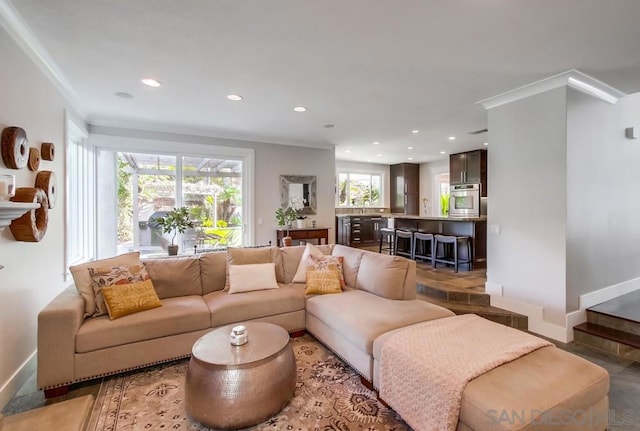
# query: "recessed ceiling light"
{"type": "Point", "coordinates": [124, 95]}
{"type": "Point", "coordinates": [486, 143]}
{"type": "Point", "coordinates": [376, 143]}
{"type": "Point", "coordinates": [378, 155]}
{"type": "Point", "coordinates": [347, 151]}
{"type": "Point", "coordinates": [234, 97]}
{"type": "Point", "coordinates": [452, 138]}
{"type": "Point", "coordinates": [151, 82]}
{"type": "Point", "coordinates": [443, 152]}
{"type": "Point", "coordinates": [329, 126]}
{"type": "Point", "coordinates": [300, 109]}
{"type": "Point", "coordinates": [409, 148]}
{"type": "Point", "coordinates": [410, 158]}
{"type": "Point", "coordinates": [369, 160]}
{"type": "Point", "coordinates": [415, 132]}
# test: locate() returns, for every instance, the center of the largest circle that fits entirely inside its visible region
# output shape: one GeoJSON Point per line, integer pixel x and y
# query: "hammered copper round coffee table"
{"type": "Point", "coordinates": [233, 387]}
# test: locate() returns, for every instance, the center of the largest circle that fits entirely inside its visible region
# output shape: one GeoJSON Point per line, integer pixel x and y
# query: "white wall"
{"type": "Point", "coordinates": [342, 165]}
{"type": "Point", "coordinates": [33, 272]}
{"type": "Point", "coordinates": [603, 232]}
{"type": "Point", "coordinates": [528, 168]}
{"type": "Point", "coordinates": [428, 189]}
{"type": "Point", "coordinates": [270, 162]}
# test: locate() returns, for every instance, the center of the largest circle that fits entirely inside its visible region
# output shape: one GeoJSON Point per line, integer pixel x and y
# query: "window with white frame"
{"type": "Point", "coordinates": [80, 197]}
{"type": "Point", "coordinates": [359, 189]}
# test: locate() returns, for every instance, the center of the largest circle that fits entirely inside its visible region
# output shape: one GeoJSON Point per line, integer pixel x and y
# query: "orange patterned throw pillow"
{"type": "Point", "coordinates": [324, 263]}
{"type": "Point", "coordinates": [123, 299]}
{"type": "Point", "coordinates": [320, 282]}
{"type": "Point", "coordinates": [102, 277]}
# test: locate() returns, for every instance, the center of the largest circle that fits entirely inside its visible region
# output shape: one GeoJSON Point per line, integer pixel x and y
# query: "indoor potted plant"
{"type": "Point", "coordinates": [176, 221]}
{"type": "Point", "coordinates": [285, 216]}
{"type": "Point", "coordinates": [297, 204]}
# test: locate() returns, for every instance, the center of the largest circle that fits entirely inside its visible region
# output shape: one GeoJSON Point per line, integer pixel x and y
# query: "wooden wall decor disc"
{"type": "Point", "coordinates": [48, 151]}
{"type": "Point", "coordinates": [46, 180]}
{"type": "Point", "coordinates": [32, 226]}
{"type": "Point", "coordinates": [15, 147]}
{"type": "Point", "coordinates": [34, 159]}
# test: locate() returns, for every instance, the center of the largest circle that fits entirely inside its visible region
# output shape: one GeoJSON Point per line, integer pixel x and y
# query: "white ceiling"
{"type": "Point", "coordinates": [377, 69]}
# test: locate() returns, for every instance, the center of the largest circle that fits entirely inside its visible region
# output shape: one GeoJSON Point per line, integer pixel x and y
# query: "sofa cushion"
{"type": "Point", "coordinates": [372, 317]}
{"type": "Point", "coordinates": [122, 300]}
{"type": "Point", "coordinates": [252, 277]}
{"type": "Point", "coordinates": [383, 275]}
{"type": "Point", "coordinates": [175, 276]}
{"type": "Point", "coordinates": [249, 255]}
{"type": "Point", "coordinates": [291, 257]}
{"type": "Point", "coordinates": [351, 263]}
{"type": "Point", "coordinates": [227, 308]}
{"type": "Point", "coordinates": [213, 271]}
{"type": "Point", "coordinates": [176, 316]}
{"type": "Point", "coordinates": [82, 279]}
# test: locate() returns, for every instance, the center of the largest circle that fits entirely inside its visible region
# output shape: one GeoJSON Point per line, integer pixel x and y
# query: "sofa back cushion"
{"type": "Point", "coordinates": [291, 257]}
{"type": "Point", "coordinates": [391, 277]}
{"type": "Point", "coordinates": [252, 255]}
{"type": "Point", "coordinates": [175, 276]}
{"type": "Point", "coordinates": [213, 271]}
{"type": "Point", "coordinates": [351, 262]}
{"type": "Point", "coordinates": [83, 282]}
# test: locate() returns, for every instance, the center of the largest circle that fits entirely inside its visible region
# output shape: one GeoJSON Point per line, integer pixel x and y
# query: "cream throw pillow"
{"type": "Point", "coordinates": [301, 273]}
{"type": "Point", "coordinates": [82, 278]}
{"type": "Point", "coordinates": [253, 276]}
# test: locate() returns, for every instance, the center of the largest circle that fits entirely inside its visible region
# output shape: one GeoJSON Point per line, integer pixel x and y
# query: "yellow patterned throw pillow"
{"type": "Point", "coordinates": [123, 299]}
{"type": "Point", "coordinates": [320, 282]}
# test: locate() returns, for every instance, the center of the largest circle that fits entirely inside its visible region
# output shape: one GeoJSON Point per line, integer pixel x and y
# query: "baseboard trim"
{"type": "Point", "coordinates": [605, 294]}
{"type": "Point", "coordinates": [17, 379]}
{"type": "Point", "coordinates": [537, 324]}
{"type": "Point", "coordinates": [575, 318]}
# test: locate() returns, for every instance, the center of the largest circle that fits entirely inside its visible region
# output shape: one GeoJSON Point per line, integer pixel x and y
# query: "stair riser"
{"type": "Point", "coordinates": [610, 346]}
{"type": "Point", "coordinates": [613, 322]}
{"type": "Point", "coordinates": [451, 296]}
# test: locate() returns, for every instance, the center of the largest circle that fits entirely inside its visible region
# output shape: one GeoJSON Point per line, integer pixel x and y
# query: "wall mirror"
{"type": "Point", "coordinates": [300, 188]}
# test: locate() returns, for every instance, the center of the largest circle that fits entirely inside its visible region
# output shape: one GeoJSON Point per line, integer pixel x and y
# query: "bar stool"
{"type": "Point", "coordinates": [388, 237]}
{"type": "Point", "coordinates": [423, 246]}
{"type": "Point", "coordinates": [455, 241]}
{"type": "Point", "coordinates": [403, 251]}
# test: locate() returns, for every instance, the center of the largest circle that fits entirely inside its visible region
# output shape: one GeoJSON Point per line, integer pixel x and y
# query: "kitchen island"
{"type": "Point", "coordinates": [475, 228]}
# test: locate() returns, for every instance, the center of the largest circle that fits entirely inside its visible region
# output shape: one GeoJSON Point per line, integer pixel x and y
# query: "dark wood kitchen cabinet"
{"type": "Point", "coordinates": [469, 168]}
{"type": "Point", "coordinates": [359, 231]}
{"type": "Point", "coordinates": [405, 188]}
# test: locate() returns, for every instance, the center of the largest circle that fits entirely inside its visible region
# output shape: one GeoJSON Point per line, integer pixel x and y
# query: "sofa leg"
{"type": "Point", "coordinates": [56, 392]}
{"type": "Point", "coordinates": [296, 334]}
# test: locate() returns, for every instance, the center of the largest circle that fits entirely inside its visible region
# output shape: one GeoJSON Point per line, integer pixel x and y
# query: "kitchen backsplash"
{"type": "Point", "coordinates": [365, 210]}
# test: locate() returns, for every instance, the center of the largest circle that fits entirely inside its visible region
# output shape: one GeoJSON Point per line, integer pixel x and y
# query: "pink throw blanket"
{"type": "Point", "coordinates": [424, 368]}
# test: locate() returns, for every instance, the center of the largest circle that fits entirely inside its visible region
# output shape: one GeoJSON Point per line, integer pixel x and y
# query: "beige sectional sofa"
{"type": "Point", "coordinates": [380, 297]}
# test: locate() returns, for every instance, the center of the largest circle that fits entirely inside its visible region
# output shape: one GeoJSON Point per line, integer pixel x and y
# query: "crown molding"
{"type": "Point", "coordinates": [571, 78]}
{"type": "Point", "coordinates": [103, 125]}
{"type": "Point", "coordinates": [19, 30]}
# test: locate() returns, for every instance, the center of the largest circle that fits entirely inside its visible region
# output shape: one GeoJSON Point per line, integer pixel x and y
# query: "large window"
{"type": "Point", "coordinates": [149, 185]}
{"type": "Point", "coordinates": [359, 189]}
{"type": "Point", "coordinates": [80, 197]}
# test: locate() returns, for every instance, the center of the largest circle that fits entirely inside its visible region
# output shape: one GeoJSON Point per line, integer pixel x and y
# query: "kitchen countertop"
{"type": "Point", "coordinates": [414, 217]}
{"type": "Point", "coordinates": [454, 219]}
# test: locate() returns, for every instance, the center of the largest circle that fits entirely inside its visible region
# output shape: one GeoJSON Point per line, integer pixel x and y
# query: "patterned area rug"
{"type": "Point", "coordinates": [328, 396]}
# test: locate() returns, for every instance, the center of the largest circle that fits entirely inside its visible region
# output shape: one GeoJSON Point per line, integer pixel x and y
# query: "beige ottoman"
{"type": "Point", "coordinates": [547, 389]}
{"type": "Point", "coordinates": [230, 387]}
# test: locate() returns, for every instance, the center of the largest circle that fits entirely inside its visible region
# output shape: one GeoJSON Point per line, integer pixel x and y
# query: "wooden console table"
{"type": "Point", "coordinates": [304, 234]}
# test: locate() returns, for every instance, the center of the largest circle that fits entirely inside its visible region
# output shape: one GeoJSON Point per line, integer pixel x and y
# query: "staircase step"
{"type": "Point", "coordinates": [463, 297]}
{"type": "Point", "coordinates": [613, 322]}
{"type": "Point", "coordinates": [619, 342]}
{"type": "Point", "coordinates": [494, 314]}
